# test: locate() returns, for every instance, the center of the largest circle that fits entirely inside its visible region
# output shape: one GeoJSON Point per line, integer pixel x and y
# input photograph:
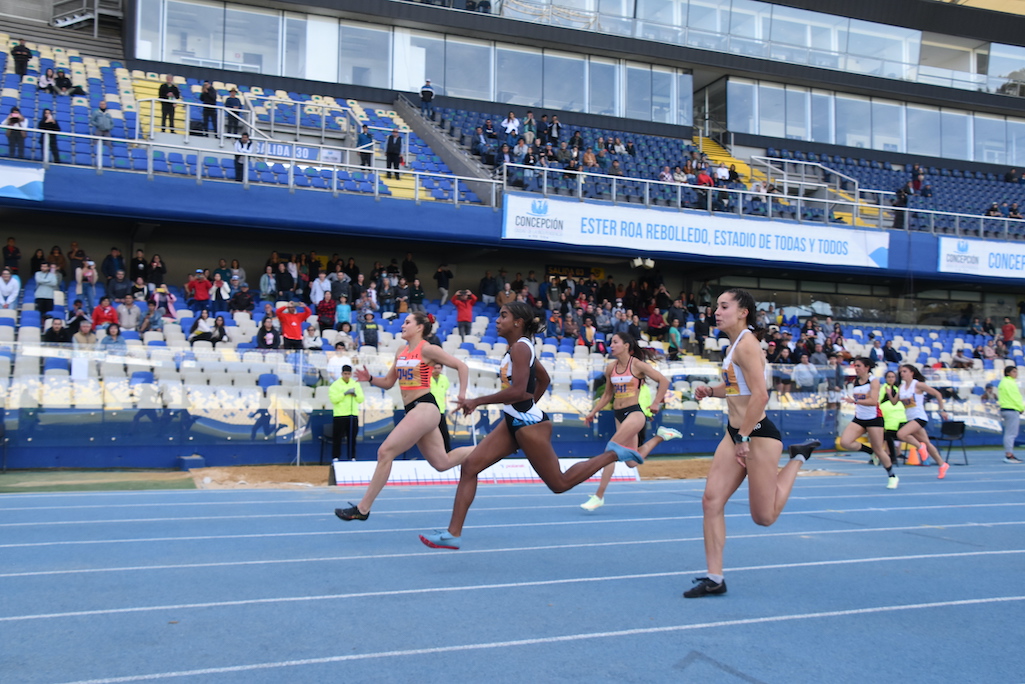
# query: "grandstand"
{"type": "Point", "coordinates": [449, 207]}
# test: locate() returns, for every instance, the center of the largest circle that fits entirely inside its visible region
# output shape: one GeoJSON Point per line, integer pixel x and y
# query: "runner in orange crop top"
{"type": "Point", "coordinates": [420, 425]}
{"type": "Point", "coordinates": [751, 446]}
{"type": "Point", "coordinates": [623, 378]}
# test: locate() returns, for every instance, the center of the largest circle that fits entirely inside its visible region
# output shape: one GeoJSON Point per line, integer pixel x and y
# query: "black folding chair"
{"type": "Point", "coordinates": [952, 431]}
{"type": "Point", "coordinates": [327, 435]}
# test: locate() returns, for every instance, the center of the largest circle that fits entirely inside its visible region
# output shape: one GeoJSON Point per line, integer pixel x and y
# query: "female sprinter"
{"type": "Point", "coordinates": [868, 417]}
{"type": "Point", "coordinates": [912, 394]}
{"type": "Point", "coordinates": [412, 370]}
{"type": "Point", "coordinates": [752, 446]}
{"type": "Point", "coordinates": [623, 380]}
{"type": "Point", "coordinates": [525, 427]}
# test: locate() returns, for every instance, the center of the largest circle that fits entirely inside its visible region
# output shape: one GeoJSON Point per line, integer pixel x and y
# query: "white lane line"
{"type": "Point", "coordinates": [550, 547]}
{"type": "Point", "coordinates": [590, 520]}
{"type": "Point", "coordinates": [323, 513]}
{"type": "Point", "coordinates": [424, 591]}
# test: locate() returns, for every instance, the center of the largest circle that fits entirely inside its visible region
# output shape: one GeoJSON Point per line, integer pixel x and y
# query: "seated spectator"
{"type": "Point", "coordinates": [345, 337]}
{"type": "Point", "coordinates": [988, 328]}
{"type": "Point", "coordinates": [891, 355]}
{"type": "Point", "coordinates": [267, 336]}
{"type": "Point", "coordinates": [113, 342]}
{"type": "Point", "coordinates": [153, 319]}
{"type": "Point", "coordinates": [48, 82]}
{"type": "Point", "coordinates": [722, 174]}
{"type": "Point", "coordinates": [615, 169]}
{"type": "Point", "coordinates": [202, 327]}
{"type": "Point", "coordinates": [618, 147]}
{"type": "Point", "coordinates": [120, 287]}
{"type": "Point", "coordinates": [140, 290]}
{"type": "Point", "coordinates": [1011, 176]}
{"type": "Point", "coordinates": [975, 328]}
{"type": "Point", "coordinates": [64, 86]}
{"type": "Point", "coordinates": [1014, 211]}
{"type": "Point", "coordinates": [704, 178]}
{"type": "Point", "coordinates": [926, 190]}
{"type": "Point", "coordinates": [734, 176]}
{"type": "Point", "coordinates": [242, 301]}
{"type": "Point", "coordinates": [666, 176]}
{"type": "Point", "coordinates": [994, 210]}
{"type": "Point", "coordinates": [164, 300]}
{"type": "Point", "coordinates": [76, 315]}
{"type": "Point", "coordinates": [657, 327]}
{"type": "Point", "coordinates": [104, 314]}
{"type": "Point", "coordinates": [602, 160]}
{"type": "Point", "coordinates": [128, 314]}
{"type": "Point", "coordinates": [679, 176]}
{"type": "Point", "coordinates": [520, 151]}
{"type": "Point", "coordinates": [57, 333]}
{"type": "Point", "coordinates": [576, 140]}
{"type": "Point", "coordinates": [311, 338]}
{"type": "Point", "coordinates": [590, 161]}
{"type": "Point", "coordinates": [503, 157]}
{"type": "Point", "coordinates": [630, 148]}
{"type": "Point", "coordinates": [989, 395]}
{"type": "Point", "coordinates": [961, 360]}
{"type": "Point", "coordinates": [85, 338]}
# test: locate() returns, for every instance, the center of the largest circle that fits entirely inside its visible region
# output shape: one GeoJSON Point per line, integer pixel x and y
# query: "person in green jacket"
{"type": "Point", "coordinates": [346, 395]}
{"type": "Point", "coordinates": [439, 388]}
{"type": "Point", "coordinates": [894, 414]}
{"type": "Point", "coordinates": [1011, 406]}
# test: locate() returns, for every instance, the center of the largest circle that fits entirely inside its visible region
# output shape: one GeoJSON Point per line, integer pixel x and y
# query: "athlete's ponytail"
{"type": "Point", "coordinates": [636, 350]}
{"type": "Point", "coordinates": [524, 312]}
{"type": "Point", "coordinates": [424, 319]}
{"type": "Point", "coordinates": [915, 373]}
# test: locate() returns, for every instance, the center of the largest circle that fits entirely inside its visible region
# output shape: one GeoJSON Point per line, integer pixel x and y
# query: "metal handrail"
{"type": "Point", "coordinates": [220, 128]}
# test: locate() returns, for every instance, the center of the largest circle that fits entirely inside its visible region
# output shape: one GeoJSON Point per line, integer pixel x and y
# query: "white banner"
{"type": "Point", "coordinates": [981, 257]}
{"type": "Point", "coordinates": [22, 182]}
{"type": "Point", "coordinates": [641, 230]}
{"type": "Point", "coordinates": [507, 471]}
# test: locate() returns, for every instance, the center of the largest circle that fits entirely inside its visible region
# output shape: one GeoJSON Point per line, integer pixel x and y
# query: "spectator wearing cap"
{"type": "Point", "coordinates": [370, 330]}
{"type": "Point", "coordinates": [291, 324]}
{"type": "Point", "coordinates": [427, 99]}
{"type": "Point", "coordinates": [241, 301]}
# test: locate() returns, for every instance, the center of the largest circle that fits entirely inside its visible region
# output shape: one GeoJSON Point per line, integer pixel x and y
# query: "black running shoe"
{"type": "Point", "coordinates": [351, 513]}
{"type": "Point", "coordinates": [804, 448]}
{"type": "Point", "coordinates": [705, 587]}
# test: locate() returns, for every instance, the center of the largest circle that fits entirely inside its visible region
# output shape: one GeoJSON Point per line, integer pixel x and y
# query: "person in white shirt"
{"type": "Point", "coordinates": [318, 287]}
{"type": "Point", "coordinates": [512, 128]}
{"type": "Point", "coordinates": [243, 146]}
{"type": "Point", "coordinates": [10, 287]}
{"type": "Point", "coordinates": [128, 314]}
{"type": "Point", "coordinates": [722, 174]}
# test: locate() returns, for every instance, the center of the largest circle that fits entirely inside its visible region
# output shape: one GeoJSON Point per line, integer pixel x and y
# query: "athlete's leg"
{"type": "Point", "coordinates": [496, 446]}
{"type": "Point", "coordinates": [923, 437]}
{"type": "Point", "coordinates": [626, 435]}
{"type": "Point", "coordinates": [875, 438]}
{"type": "Point", "coordinates": [908, 433]}
{"type": "Point", "coordinates": [423, 418]}
{"type": "Point", "coordinates": [769, 486]}
{"type": "Point", "coordinates": [536, 443]}
{"type": "Point", "coordinates": [723, 479]}
{"type": "Point", "coordinates": [849, 437]}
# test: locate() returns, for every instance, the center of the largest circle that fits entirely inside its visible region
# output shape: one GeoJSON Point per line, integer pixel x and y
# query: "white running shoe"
{"type": "Point", "coordinates": [893, 480]}
{"type": "Point", "coordinates": [594, 503]}
{"type": "Point", "coordinates": [668, 433]}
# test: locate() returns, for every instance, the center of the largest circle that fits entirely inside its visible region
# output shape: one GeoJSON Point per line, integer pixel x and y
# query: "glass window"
{"type": "Point", "coordinates": [295, 46]}
{"type": "Point", "coordinates": [749, 26]}
{"type": "Point", "coordinates": [603, 87]}
{"type": "Point", "coordinates": [740, 106]}
{"type": "Point", "coordinates": [518, 76]}
{"type": "Point", "coordinates": [638, 91]}
{"type": "Point", "coordinates": [468, 69]}
{"type": "Point", "coordinates": [1005, 60]}
{"type": "Point", "coordinates": [822, 116]}
{"type": "Point", "coordinates": [685, 99]}
{"type": "Point", "coordinates": [772, 110]}
{"type": "Point", "coordinates": [251, 40]}
{"type": "Point", "coordinates": [887, 126]}
{"type": "Point", "coordinates": [923, 130]}
{"type": "Point", "coordinates": [663, 97]}
{"type": "Point", "coordinates": [564, 79]}
{"type": "Point", "coordinates": [853, 121]}
{"type": "Point", "coordinates": [1016, 142]}
{"type": "Point", "coordinates": [195, 34]}
{"type": "Point", "coordinates": [990, 139]}
{"type": "Point", "coordinates": [956, 132]}
{"type": "Point", "coordinates": [707, 23]}
{"type": "Point", "coordinates": [418, 56]}
{"type": "Point", "coordinates": [660, 20]}
{"type": "Point", "coordinates": [365, 56]}
{"type": "Point", "coordinates": [318, 37]}
{"type": "Point", "coordinates": [797, 113]}
{"type": "Point", "coordinates": [889, 43]}
{"type": "Point", "coordinates": [147, 42]}
{"type": "Point", "coordinates": [616, 8]}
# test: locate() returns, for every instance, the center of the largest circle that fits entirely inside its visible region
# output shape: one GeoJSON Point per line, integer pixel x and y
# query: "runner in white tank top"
{"type": "Point", "coordinates": [868, 418]}
{"type": "Point", "coordinates": [912, 394]}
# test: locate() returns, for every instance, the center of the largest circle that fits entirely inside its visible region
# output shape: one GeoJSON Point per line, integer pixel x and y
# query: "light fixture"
{"type": "Point", "coordinates": [636, 262]}
{"type": "Point", "coordinates": [649, 264]}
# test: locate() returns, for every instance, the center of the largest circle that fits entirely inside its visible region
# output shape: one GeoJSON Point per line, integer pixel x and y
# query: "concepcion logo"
{"type": "Point", "coordinates": [962, 246]}
{"type": "Point", "coordinates": [538, 219]}
{"type": "Point", "coordinates": [961, 257]}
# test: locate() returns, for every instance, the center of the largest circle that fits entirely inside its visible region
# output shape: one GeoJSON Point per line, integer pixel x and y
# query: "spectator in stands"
{"type": "Point", "coordinates": [891, 355]}
{"type": "Point", "coordinates": [233, 112]}
{"type": "Point", "coordinates": [554, 133]}
{"type": "Point", "coordinates": [805, 376]}
{"type": "Point", "coordinates": [427, 99]}
{"type": "Point", "coordinates": [311, 339]}
{"type": "Point", "coordinates": [1007, 330]}
{"type": "Point", "coordinates": [21, 56]}
{"type": "Point", "coordinates": [602, 160]}
{"type": "Point", "coordinates": [961, 360]}
{"type": "Point", "coordinates": [153, 319]}
{"type": "Point", "coordinates": [416, 296]}
{"type": "Point", "coordinates": [284, 282]}
{"type": "Point", "coordinates": [85, 338]}
{"type": "Point", "coordinates": [876, 353]}
{"type": "Point", "coordinates": [519, 152]}
{"type": "Point", "coordinates": [16, 132]}
{"type": "Point", "coordinates": [899, 203]}
{"type": "Point", "coordinates": [48, 123]}
{"type": "Point", "coordinates": [926, 190]}
{"type": "Point", "coordinates": [168, 91]}
{"type": "Point", "coordinates": [480, 143]}
{"type": "Point", "coordinates": [128, 314]}
{"type": "Point", "coordinates": [722, 174]}
{"type": "Point", "coordinates": [819, 357]}
{"type": "Point", "coordinates": [268, 337]}
{"type": "Point", "coordinates": [1012, 176]}
{"type": "Point", "coordinates": [443, 276]}
{"type": "Point", "coordinates": [393, 153]}
{"type": "Point", "coordinates": [104, 314]}
{"type": "Point", "coordinates": [529, 129]}
{"type": "Point", "coordinates": [657, 327]}
{"type": "Point", "coordinates": [57, 333]}
{"type": "Point", "coordinates": [268, 284]}
{"type": "Point", "coordinates": [505, 296]}
{"type": "Point", "coordinates": [75, 316]}
{"type": "Point", "coordinates": [370, 330]}
{"type": "Point", "coordinates": [243, 148]}
{"type": "Point", "coordinates": [291, 319]}
{"type": "Point", "coordinates": [139, 290]}
{"type": "Point", "coordinates": [47, 282]}
{"type": "Point", "coordinates": [12, 256]}
{"type": "Point", "coordinates": [120, 287]}
{"type": "Point", "coordinates": [208, 96]}
{"type": "Point", "coordinates": [588, 161]}
{"type": "Point", "coordinates": [631, 149]}
{"type": "Point", "coordinates": [112, 263]}
{"type": "Point", "coordinates": [202, 327]}
{"type": "Point", "coordinates": [503, 157]}
{"type": "Point", "coordinates": [488, 288]}
{"type": "Point", "coordinates": [976, 327]}
{"type": "Point", "coordinates": [464, 301]}
{"type": "Point", "coordinates": [201, 292]}
{"type": "Point", "coordinates": [37, 260]}
{"type": "Point", "coordinates": [994, 210]}
{"type": "Point", "coordinates": [365, 144]}
{"type": "Point", "coordinates": [511, 127]}
{"type": "Point", "coordinates": [66, 87]}
{"type": "Point", "coordinates": [101, 121]}
{"type": "Point", "coordinates": [242, 301]}
{"type": "Point", "coordinates": [113, 342]}
{"type": "Point", "coordinates": [155, 272]}
{"type": "Point", "coordinates": [10, 288]}
{"type": "Point", "coordinates": [987, 327]}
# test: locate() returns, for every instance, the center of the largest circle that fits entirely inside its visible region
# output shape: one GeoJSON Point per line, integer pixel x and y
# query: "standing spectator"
{"type": "Point", "coordinates": [169, 93]}
{"type": "Point", "coordinates": [200, 292]}
{"type": "Point", "coordinates": [10, 288]}
{"type": "Point", "coordinates": [16, 131]}
{"type": "Point", "coordinates": [555, 132]}
{"type": "Point", "coordinates": [101, 121]}
{"type": "Point", "coordinates": [156, 272]}
{"type": "Point", "coordinates": [46, 283]}
{"type": "Point", "coordinates": [464, 301]}
{"type": "Point", "coordinates": [48, 123]}
{"type": "Point", "coordinates": [1011, 407]}
{"type": "Point", "coordinates": [1007, 330]}
{"type": "Point", "coordinates": [409, 269]}
{"type": "Point", "coordinates": [291, 325]}
{"type": "Point", "coordinates": [139, 266]}
{"type": "Point", "coordinates": [529, 129]}
{"type": "Point", "coordinates": [401, 296]}
{"type": "Point", "coordinates": [243, 148]}
{"type": "Point", "coordinates": [488, 288]}
{"type": "Point", "coordinates": [346, 396]}
{"type": "Point", "coordinates": [444, 276]}
{"type": "Point", "coordinates": [233, 112]}
{"type": "Point", "coordinates": [12, 256]}
{"type": "Point", "coordinates": [427, 99]}
{"type": "Point", "coordinates": [370, 330]}
{"type": "Point", "coordinates": [327, 308]}
{"type": "Point", "coordinates": [208, 96]}
{"type": "Point", "coordinates": [805, 376]}
{"type": "Point", "coordinates": [416, 296]}
{"type": "Point", "coordinates": [21, 56]}
{"type": "Point", "coordinates": [128, 314]}
{"type": "Point", "coordinates": [365, 144]}
{"type": "Point", "coordinates": [393, 153]}
{"type": "Point", "coordinates": [112, 263]}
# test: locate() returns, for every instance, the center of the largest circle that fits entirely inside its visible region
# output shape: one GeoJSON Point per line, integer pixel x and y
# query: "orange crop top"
{"type": "Point", "coordinates": [413, 373]}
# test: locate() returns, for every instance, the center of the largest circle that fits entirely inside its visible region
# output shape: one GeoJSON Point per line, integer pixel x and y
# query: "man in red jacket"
{"type": "Point", "coordinates": [464, 301]}
{"type": "Point", "coordinates": [292, 325]}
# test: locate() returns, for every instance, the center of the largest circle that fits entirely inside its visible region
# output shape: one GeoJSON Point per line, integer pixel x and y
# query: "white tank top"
{"type": "Point", "coordinates": [862, 412]}
{"type": "Point", "coordinates": [732, 376]}
{"type": "Point", "coordinates": [526, 410]}
{"type": "Point", "coordinates": [914, 402]}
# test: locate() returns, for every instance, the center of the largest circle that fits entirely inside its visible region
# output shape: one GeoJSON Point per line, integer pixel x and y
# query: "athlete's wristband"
{"type": "Point", "coordinates": [741, 439]}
